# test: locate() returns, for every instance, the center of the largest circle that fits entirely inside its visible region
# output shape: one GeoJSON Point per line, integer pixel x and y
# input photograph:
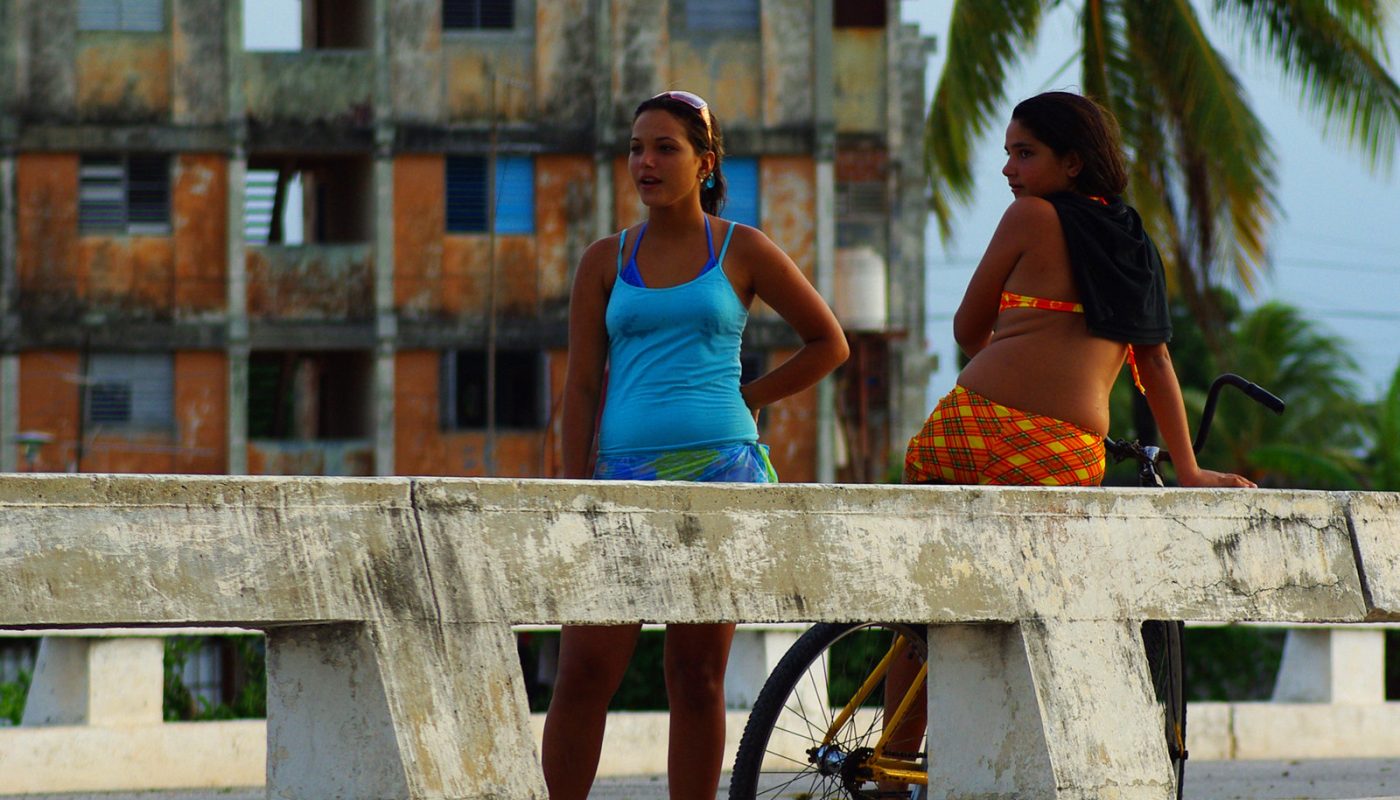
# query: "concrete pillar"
{"type": "Point", "coordinates": [1044, 710]}
{"type": "Point", "coordinates": [401, 709]}
{"type": "Point", "coordinates": [824, 120]}
{"type": "Point", "coordinates": [1332, 665]}
{"type": "Point", "coordinates": [386, 321]}
{"type": "Point", "coordinates": [236, 304]}
{"type": "Point", "coordinates": [752, 657]}
{"type": "Point", "coordinates": [99, 682]}
{"type": "Point", "coordinates": [9, 320]}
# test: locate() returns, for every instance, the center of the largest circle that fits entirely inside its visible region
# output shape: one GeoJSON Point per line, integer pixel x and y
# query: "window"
{"type": "Point", "coordinates": [127, 390]}
{"type": "Point", "coordinates": [310, 395]}
{"type": "Point", "coordinates": [467, 197]}
{"type": "Point", "coordinates": [478, 14]}
{"type": "Point", "coordinates": [857, 14]}
{"type": "Point", "coordinates": [721, 15]}
{"type": "Point", "coordinates": [741, 190]}
{"type": "Point", "coordinates": [520, 389]}
{"type": "Point", "coordinates": [128, 194]}
{"type": "Point", "coordinates": [137, 16]}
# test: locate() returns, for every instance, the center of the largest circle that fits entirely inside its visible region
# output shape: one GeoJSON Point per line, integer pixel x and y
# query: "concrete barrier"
{"type": "Point", "coordinates": [387, 603]}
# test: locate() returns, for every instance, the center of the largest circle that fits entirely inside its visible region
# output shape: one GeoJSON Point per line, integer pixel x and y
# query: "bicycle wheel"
{"type": "Point", "coordinates": [1164, 642]}
{"type": "Point", "coordinates": [781, 753]}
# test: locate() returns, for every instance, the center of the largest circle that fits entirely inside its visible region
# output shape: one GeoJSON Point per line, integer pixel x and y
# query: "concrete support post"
{"type": "Point", "coordinates": [1332, 665]}
{"type": "Point", "coordinates": [752, 657]}
{"type": "Point", "coordinates": [237, 267]}
{"type": "Point", "coordinates": [1044, 710]}
{"type": "Point", "coordinates": [100, 682]}
{"type": "Point", "coordinates": [386, 327]}
{"type": "Point", "coordinates": [9, 320]}
{"type": "Point", "coordinates": [408, 710]}
{"type": "Point", "coordinates": [824, 49]}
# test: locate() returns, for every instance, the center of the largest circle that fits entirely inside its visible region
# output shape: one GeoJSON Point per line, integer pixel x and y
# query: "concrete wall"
{"type": "Point", "coordinates": [388, 602]}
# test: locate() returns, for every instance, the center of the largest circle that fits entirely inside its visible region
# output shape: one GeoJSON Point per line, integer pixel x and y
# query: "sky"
{"type": "Point", "coordinates": [1334, 251]}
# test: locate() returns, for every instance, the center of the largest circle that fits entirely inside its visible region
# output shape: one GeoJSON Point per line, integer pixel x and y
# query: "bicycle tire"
{"type": "Point", "coordinates": [1164, 642]}
{"type": "Point", "coordinates": [766, 769]}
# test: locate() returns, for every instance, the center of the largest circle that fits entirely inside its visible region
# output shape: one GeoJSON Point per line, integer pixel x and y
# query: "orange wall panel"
{"type": "Point", "coordinates": [628, 209]}
{"type": "Point", "coordinates": [201, 411]}
{"type": "Point", "coordinates": [48, 402]}
{"type": "Point", "coordinates": [128, 273]}
{"type": "Point", "coordinates": [466, 266]}
{"type": "Point", "coordinates": [199, 217]}
{"type": "Point", "coordinates": [420, 219]}
{"type": "Point", "coordinates": [563, 220]}
{"type": "Point", "coordinates": [790, 431]}
{"type": "Point", "coordinates": [47, 201]}
{"type": "Point", "coordinates": [127, 77]}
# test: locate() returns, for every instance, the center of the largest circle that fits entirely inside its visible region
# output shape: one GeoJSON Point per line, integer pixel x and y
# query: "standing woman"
{"type": "Point", "coordinates": [659, 309]}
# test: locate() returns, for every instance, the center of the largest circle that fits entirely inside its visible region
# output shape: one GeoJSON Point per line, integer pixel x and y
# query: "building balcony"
{"type": "Point", "coordinates": [313, 86]}
{"type": "Point", "coordinates": [310, 282]}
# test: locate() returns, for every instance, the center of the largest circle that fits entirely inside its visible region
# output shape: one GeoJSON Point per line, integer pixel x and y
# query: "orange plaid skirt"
{"type": "Point", "coordinates": [969, 439]}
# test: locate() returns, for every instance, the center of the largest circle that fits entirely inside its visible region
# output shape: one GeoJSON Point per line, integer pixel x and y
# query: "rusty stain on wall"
{"type": "Point", "coordinates": [47, 263]}
{"type": "Point", "coordinates": [329, 458]}
{"type": "Point", "coordinates": [199, 221]}
{"type": "Point", "coordinates": [420, 217]}
{"type": "Point", "coordinates": [563, 64]}
{"type": "Point", "coordinates": [727, 73]}
{"type": "Point", "coordinates": [469, 92]}
{"type": "Point", "coordinates": [310, 281]}
{"type": "Point", "coordinates": [789, 96]}
{"type": "Point", "coordinates": [131, 274]}
{"type": "Point", "coordinates": [788, 213]}
{"type": "Point", "coordinates": [122, 77]}
{"type": "Point", "coordinates": [861, 62]}
{"type": "Point", "coordinates": [466, 268]}
{"type": "Point", "coordinates": [563, 220]}
{"type": "Point", "coordinates": [628, 209]}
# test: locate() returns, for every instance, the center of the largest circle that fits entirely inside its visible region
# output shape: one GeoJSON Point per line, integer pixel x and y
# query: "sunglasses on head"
{"type": "Point", "coordinates": [696, 102]}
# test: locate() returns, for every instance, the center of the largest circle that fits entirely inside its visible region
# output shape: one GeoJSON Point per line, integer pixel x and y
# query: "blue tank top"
{"type": "Point", "coordinates": [673, 356]}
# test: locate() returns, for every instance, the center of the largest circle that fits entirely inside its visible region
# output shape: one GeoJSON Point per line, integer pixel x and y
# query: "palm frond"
{"type": "Point", "coordinates": [985, 38]}
{"type": "Point", "coordinates": [1299, 467]}
{"type": "Point", "coordinates": [1334, 53]}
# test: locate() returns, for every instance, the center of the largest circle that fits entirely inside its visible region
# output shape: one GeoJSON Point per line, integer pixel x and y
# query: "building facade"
{"type": "Point", "coordinates": [353, 257]}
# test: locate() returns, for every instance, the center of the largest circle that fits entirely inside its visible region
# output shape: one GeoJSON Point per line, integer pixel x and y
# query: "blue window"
{"type": "Point", "coordinates": [722, 15]}
{"type": "Point", "coordinates": [478, 14]}
{"type": "Point", "coordinates": [741, 190]}
{"type": "Point", "coordinates": [467, 198]}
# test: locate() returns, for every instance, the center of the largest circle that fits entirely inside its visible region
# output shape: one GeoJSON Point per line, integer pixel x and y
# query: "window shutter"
{"type": "Point", "coordinates": [148, 194]}
{"type": "Point", "coordinates": [721, 15]}
{"type": "Point", "coordinates": [101, 195]}
{"type": "Point", "coordinates": [466, 194]}
{"type": "Point", "coordinates": [515, 195]}
{"type": "Point", "coordinates": [472, 14]}
{"type": "Point", "coordinates": [741, 190]}
{"type": "Point", "coordinates": [143, 16]}
{"type": "Point", "coordinates": [99, 15]}
{"type": "Point", "coordinates": [129, 389]}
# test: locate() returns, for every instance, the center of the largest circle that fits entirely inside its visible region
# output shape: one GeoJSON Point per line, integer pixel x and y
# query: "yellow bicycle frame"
{"type": "Point", "coordinates": [885, 768]}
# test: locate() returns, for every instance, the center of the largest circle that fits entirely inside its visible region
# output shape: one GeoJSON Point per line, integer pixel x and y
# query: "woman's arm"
{"type": "Point", "coordinates": [1027, 220]}
{"type": "Point", "coordinates": [588, 354]}
{"type": "Point", "coordinates": [1154, 364]}
{"type": "Point", "coordinates": [777, 281]}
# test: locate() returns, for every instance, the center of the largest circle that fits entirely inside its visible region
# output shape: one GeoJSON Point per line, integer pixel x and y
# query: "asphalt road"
{"type": "Point", "coordinates": [1205, 780]}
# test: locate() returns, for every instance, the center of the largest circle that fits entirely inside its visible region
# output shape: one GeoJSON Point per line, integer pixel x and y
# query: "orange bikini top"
{"type": "Point", "coordinates": [1014, 300]}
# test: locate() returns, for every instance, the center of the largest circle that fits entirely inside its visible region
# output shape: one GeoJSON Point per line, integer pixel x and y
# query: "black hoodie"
{"type": "Point", "coordinates": [1116, 269]}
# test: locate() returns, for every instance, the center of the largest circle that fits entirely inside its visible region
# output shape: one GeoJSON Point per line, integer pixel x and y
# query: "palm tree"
{"type": "Point", "coordinates": [1315, 443]}
{"type": "Point", "coordinates": [1202, 165]}
{"type": "Point", "coordinates": [1384, 460]}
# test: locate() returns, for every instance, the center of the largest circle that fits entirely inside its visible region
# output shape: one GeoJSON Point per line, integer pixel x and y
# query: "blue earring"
{"type": "Point", "coordinates": [710, 181]}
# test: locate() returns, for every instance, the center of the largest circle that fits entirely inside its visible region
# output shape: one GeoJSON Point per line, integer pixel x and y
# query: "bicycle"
{"type": "Point", "coordinates": [817, 728]}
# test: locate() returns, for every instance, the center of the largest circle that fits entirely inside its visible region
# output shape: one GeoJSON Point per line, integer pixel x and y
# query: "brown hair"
{"type": "Point", "coordinates": [1068, 122]}
{"type": "Point", "coordinates": [702, 129]}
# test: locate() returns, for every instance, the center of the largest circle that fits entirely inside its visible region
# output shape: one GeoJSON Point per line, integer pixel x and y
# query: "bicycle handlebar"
{"type": "Point", "coordinates": [1252, 390]}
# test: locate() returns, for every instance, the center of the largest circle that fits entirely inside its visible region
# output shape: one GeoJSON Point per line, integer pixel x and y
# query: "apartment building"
{"type": "Point", "coordinates": [351, 255]}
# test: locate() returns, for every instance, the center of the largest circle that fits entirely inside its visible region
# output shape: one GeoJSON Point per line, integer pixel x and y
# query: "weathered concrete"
{"type": "Point", "coordinates": [388, 602]}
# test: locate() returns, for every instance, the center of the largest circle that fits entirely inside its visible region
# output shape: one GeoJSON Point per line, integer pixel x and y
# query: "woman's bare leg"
{"type": "Point", "coordinates": [592, 661]}
{"type": "Point", "coordinates": [696, 656]}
